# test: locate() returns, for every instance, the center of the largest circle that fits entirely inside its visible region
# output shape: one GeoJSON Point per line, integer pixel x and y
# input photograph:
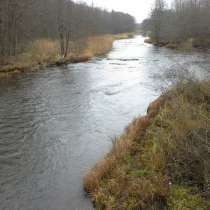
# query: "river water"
{"type": "Point", "coordinates": [57, 122]}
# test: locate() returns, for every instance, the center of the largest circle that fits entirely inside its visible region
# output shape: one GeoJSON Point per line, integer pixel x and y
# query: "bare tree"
{"type": "Point", "coordinates": [157, 18]}
{"type": "Point", "coordinates": [185, 20]}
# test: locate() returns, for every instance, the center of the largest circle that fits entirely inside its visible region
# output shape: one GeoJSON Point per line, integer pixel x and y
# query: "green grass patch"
{"type": "Point", "coordinates": [185, 198]}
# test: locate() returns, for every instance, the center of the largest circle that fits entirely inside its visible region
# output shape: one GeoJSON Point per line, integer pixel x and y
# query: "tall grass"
{"type": "Point", "coordinates": [45, 51]}
{"type": "Point", "coordinates": [39, 52]}
{"type": "Point", "coordinates": [123, 36]}
{"type": "Point", "coordinates": [162, 159]}
{"type": "Point", "coordinates": [99, 45]}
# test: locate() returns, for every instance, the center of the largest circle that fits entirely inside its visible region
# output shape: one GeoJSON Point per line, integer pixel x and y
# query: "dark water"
{"type": "Point", "coordinates": [57, 122]}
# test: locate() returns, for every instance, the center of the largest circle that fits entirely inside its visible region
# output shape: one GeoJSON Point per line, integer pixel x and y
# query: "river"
{"type": "Point", "coordinates": [57, 122]}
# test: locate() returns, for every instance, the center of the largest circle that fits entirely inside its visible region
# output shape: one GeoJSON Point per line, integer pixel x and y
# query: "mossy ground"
{"type": "Point", "coordinates": [162, 161]}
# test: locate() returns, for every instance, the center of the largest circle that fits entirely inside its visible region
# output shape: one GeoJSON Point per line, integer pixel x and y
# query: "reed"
{"type": "Point", "coordinates": [44, 52]}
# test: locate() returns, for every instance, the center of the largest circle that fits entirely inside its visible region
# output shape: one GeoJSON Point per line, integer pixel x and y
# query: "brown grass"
{"type": "Point", "coordinates": [189, 44]}
{"type": "Point", "coordinates": [99, 45]}
{"type": "Point", "coordinates": [123, 36]}
{"type": "Point", "coordinates": [161, 159]}
{"type": "Point", "coordinates": [148, 41]}
{"type": "Point", "coordinates": [40, 52]}
{"type": "Point", "coordinates": [121, 147]}
{"type": "Point", "coordinates": [44, 52]}
{"type": "Point", "coordinates": [203, 43]}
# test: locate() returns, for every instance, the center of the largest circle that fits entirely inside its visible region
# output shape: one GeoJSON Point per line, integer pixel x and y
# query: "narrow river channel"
{"type": "Point", "coordinates": [57, 122]}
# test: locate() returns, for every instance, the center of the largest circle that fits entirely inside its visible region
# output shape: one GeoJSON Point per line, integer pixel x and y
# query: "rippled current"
{"type": "Point", "coordinates": [57, 122]}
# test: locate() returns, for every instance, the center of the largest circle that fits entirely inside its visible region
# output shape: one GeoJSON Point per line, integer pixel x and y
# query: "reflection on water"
{"type": "Point", "coordinates": [56, 123]}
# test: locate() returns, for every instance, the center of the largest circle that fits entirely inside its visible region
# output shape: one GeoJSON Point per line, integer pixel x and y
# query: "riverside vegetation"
{"type": "Point", "coordinates": [162, 159]}
{"type": "Point", "coordinates": [46, 52]}
{"type": "Point", "coordinates": [34, 33]}
{"type": "Point", "coordinates": [184, 25]}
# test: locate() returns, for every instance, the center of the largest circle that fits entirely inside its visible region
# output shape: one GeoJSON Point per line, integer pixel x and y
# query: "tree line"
{"type": "Point", "coordinates": [23, 21]}
{"type": "Point", "coordinates": [183, 20]}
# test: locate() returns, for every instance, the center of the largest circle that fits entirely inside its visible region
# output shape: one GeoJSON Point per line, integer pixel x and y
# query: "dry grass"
{"type": "Point", "coordinates": [84, 50]}
{"type": "Point", "coordinates": [123, 36]}
{"type": "Point", "coordinates": [40, 52]}
{"type": "Point", "coordinates": [121, 147]}
{"type": "Point", "coordinates": [148, 41]}
{"type": "Point", "coordinates": [43, 52]}
{"type": "Point", "coordinates": [161, 159]}
{"type": "Point", "coordinates": [201, 43]}
{"type": "Point", "coordinates": [99, 45]}
{"type": "Point", "coordinates": [189, 44]}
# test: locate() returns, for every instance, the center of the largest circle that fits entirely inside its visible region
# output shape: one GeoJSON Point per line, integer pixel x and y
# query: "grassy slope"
{"type": "Point", "coordinates": [162, 159]}
{"type": "Point", "coordinates": [46, 52]}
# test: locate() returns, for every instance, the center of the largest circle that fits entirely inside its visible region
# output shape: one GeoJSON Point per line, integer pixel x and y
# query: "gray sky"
{"type": "Point", "coordinates": [140, 9]}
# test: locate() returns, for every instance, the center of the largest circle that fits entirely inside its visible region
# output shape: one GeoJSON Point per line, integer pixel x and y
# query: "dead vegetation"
{"type": "Point", "coordinates": [45, 52]}
{"type": "Point", "coordinates": [99, 45]}
{"type": "Point", "coordinates": [162, 159]}
{"type": "Point", "coordinates": [124, 36]}
{"type": "Point", "coordinates": [188, 44]}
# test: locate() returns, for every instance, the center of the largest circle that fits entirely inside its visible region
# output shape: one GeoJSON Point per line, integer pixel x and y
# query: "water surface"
{"type": "Point", "coordinates": [57, 122]}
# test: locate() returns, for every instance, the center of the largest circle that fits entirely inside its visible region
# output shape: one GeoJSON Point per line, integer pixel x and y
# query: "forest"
{"type": "Point", "coordinates": [184, 20]}
{"type": "Point", "coordinates": [23, 22]}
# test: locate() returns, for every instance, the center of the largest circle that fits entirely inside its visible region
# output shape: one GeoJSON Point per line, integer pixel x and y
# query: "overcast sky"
{"type": "Point", "coordinates": [140, 9]}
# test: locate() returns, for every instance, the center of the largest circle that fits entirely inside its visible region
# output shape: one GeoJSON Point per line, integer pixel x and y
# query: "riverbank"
{"type": "Point", "coordinates": [162, 159]}
{"type": "Point", "coordinates": [44, 53]}
{"type": "Point", "coordinates": [189, 44]}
